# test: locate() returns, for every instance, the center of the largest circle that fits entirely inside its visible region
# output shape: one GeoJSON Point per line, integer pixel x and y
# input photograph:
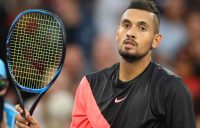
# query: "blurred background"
{"type": "Point", "coordinates": [91, 27]}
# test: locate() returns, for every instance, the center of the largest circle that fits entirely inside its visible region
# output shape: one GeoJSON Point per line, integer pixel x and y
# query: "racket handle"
{"type": "Point", "coordinates": [24, 113]}
{"type": "Point", "coordinates": [35, 103]}
{"type": "Point", "coordinates": [21, 103]}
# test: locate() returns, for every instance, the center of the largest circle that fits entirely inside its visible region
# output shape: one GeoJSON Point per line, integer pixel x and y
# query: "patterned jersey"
{"type": "Point", "coordinates": [157, 98]}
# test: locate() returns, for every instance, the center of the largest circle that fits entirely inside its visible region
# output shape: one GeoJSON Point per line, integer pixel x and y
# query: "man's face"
{"type": "Point", "coordinates": [136, 34]}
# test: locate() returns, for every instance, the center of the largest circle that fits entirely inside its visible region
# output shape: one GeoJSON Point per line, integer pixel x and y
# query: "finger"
{"type": "Point", "coordinates": [20, 119]}
{"type": "Point", "coordinates": [21, 125]}
{"type": "Point", "coordinates": [18, 108]}
{"type": "Point", "coordinates": [26, 124]}
{"type": "Point", "coordinates": [31, 119]}
{"type": "Point", "coordinates": [21, 110]}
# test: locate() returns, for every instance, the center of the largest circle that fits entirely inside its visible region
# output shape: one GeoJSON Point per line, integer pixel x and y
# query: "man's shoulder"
{"type": "Point", "coordinates": [164, 73]}
{"type": "Point", "coordinates": [166, 78]}
{"type": "Point", "coordinates": [10, 114]}
{"type": "Point", "coordinates": [10, 108]}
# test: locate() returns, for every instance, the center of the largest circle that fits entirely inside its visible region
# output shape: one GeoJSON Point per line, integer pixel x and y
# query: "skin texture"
{"type": "Point", "coordinates": [135, 34]}
{"type": "Point", "coordinates": [23, 123]}
{"type": "Point", "coordinates": [136, 37]}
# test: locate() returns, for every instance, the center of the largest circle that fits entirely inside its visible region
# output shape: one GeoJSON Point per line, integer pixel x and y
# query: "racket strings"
{"type": "Point", "coordinates": [35, 50]}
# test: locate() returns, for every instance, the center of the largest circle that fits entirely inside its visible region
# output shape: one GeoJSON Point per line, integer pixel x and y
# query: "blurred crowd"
{"type": "Point", "coordinates": [90, 27]}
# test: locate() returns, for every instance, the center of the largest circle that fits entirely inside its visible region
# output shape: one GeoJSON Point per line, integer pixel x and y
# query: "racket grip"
{"type": "Point", "coordinates": [20, 101]}
{"type": "Point", "coordinates": [24, 113]}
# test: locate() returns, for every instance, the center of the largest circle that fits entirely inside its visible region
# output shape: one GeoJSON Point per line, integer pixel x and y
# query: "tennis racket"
{"type": "Point", "coordinates": [36, 46]}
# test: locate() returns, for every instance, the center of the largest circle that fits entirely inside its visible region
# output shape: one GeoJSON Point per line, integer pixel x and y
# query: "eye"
{"type": "Point", "coordinates": [126, 25]}
{"type": "Point", "coordinates": [142, 28]}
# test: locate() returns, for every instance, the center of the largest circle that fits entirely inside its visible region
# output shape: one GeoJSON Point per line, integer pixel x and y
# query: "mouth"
{"type": "Point", "coordinates": [130, 42]}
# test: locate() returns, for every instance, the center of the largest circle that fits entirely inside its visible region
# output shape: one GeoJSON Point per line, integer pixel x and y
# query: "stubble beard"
{"type": "Point", "coordinates": [130, 58]}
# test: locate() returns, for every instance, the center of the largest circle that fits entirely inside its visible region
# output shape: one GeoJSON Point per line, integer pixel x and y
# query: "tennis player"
{"type": "Point", "coordinates": [136, 92]}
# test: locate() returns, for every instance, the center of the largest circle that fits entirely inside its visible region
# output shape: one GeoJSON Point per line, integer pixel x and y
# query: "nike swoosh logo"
{"type": "Point", "coordinates": [119, 100]}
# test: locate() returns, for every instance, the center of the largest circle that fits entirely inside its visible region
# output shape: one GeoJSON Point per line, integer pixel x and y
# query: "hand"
{"type": "Point", "coordinates": [29, 122]}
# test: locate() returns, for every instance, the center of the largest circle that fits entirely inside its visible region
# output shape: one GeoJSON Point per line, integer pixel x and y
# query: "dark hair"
{"type": "Point", "coordinates": [146, 5]}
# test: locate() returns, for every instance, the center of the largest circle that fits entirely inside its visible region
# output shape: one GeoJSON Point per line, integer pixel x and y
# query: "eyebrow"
{"type": "Point", "coordinates": [143, 23]}
{"type": "Point", "coordinates": [138, 23]}
{"type": "Point", "coordinates": [125, 21]}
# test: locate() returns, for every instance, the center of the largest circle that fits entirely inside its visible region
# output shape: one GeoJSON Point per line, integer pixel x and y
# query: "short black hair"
{"type": "Point", "coordinates": [146, 5]}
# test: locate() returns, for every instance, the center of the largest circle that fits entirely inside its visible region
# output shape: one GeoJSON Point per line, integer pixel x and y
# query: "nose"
{"type": "Point", "coordinates": [130, 34]}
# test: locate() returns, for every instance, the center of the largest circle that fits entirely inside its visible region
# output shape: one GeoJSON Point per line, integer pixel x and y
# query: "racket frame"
{"type": "Point", "coordinates": [17, 85]}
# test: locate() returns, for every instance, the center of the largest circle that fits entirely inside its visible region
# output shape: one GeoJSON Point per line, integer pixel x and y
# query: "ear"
{"type": "Point", "coordinates": [156, 41]}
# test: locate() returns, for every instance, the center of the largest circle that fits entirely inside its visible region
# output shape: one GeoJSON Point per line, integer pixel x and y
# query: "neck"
{"type": "Point", "coordinates": [128, 71]}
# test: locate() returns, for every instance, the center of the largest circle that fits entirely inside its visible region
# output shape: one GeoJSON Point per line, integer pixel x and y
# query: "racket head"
{"type": "Point", "coordinates": [37, 68]}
